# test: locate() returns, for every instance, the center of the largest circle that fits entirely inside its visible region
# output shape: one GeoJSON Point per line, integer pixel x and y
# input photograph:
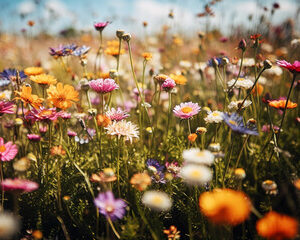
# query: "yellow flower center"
{"type": "Point", "coordinates": [196, 174]}
{"type": "Point", "coordinates": [233, 122]}
{"type": "Point", "coordinates": [215, 114]}
{"type": "Point", "coordinates": [46, 113]}
{"type": "Point", "coordinates": [109, 209]}
{"type": "Point", "coordinates": [186, 109]}
{"type": "Point", "coordinates": [200, 154]}
{"type": "Point", "coordinates": [241, 79]}
{"type": "Point", "coordinates": [157, 200]}
{"type": "Point", "coordinates": [2, 148]}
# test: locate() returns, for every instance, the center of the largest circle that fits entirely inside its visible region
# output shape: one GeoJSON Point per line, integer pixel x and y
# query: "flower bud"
{"type": "Point", "coordinates": [92, 112]}
{"type": "Point", "coordinates": [113, 73]}
{"type": "Point", "coordinates": [201, 35]}
{"type": "Point", "coordinates": [242, 45]}
{"type": "Point", "coordinates": [126, 37]}
{"type": "Point", "coordinates": [120, 33]}
{"type": "Point", "coordinates": [84, 84]}
{"type": "Point", "coordinates": [267, 64]}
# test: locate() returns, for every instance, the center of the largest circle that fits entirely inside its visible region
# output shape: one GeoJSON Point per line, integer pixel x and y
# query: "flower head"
{"type": "Point", "coordinates": [8, 150]}
{"type": "Point", "coordinates": [194, 155]}
{"type": "Point", "coordinates": [117, 114]}
{"type": "Point", "coordinates": [179, 79]}
{"type": "Point", "coordinates": [27, 98]}
{"type": "Point", "coordinates": [156, 200]}
{"type": "Point", "coordinates": [168, 84]}
{"type": "Point", "coordinates": [107, 175]}
{"type": "Point", "coordinates": [99, 26]}
{"type": "Point", "coordinates": [172, 233]}
{"type": "Point", "coordinates": [103, 120]}
{"type": "Point", "coordinates": [154, 166]}
{"type": "Point", "coordinates": [243, 83]}
{"type": "Point", "coordinates": [81, 51]}
{"type": "Point", "coordinates": [19, 185]}
{"type": "Point", "coordinates": [280, 104]}
{"type": "Point", "coordinates": [277, 226]}
{"type": "Point", "coordinates": [195, 174]}
{"type": "Point", "coordinates": [42, 114]}
{"type": "Point", "coordinates": [140, 181]}
{"type": "Point", "coordinates": [234, 105]}
{"type": "Point", "coordinates": [43, 79]}
{"type": "Point", "coordinates": [109, 206]}
{"type": "Point", "coordinates": [293, 68]}
{"type": "Point", "coordinates": [173, 168]}
{"type": "Point", "coordinates": [34, 137]}
{"type": "Point", "coordinates": [6, 107]}
{"type": "Point", "coordinates": [62, 50]}
{"type": "Point", "coordinates": [33, 71]}
{"type": "Point", "coordinates": [225, 206]}
{"type": "Point", "coordinates": [214, 117]}
{"type": "Point", "coordinates": [186, 110]}
{"type": "Point", "coordinates": [103, 85]}
{"type": "Point", "coordinates": [62, 96]}
{"type": "Point", "coordinates": [11, 75]}
{"type": "Point", "coordinates": [235, 122]}
{"type": "Point", "coordinates": [122, 128]}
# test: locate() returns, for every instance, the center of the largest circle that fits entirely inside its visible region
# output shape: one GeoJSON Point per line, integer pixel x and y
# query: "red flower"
{"type": "Point", "coordinates": [293, 68]}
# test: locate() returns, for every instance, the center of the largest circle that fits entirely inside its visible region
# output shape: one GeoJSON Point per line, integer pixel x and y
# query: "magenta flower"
{"type": "Point", "coordinates": [42, 114]}
{"type": "Point", "coordinates": [293, 68]}
{"type": "Point", "coordinates": [103, 85]}
{"type": "Point", "coordinates": [8, 150]}
{"type": "Point", "coordinates": [99, 26]}
{"type": "Point", "coordinates": [116, 114]}
{"type": "Point", "coordinates": [168, 84]}
{"type": "Point", "coordinates": [34, 137]}
{"type": "Point", "coordinates": [6, 107]}
{"type": "Point", "coordinates": [109, 206]}
{"type": "Point", "coordinates": [64, 115]}
{"type": "Point", "coordinates": [186, 110]}
{"type": "Point", "coordinates": [71, 133]}
{"type": "Point", "coordinates": [19, 185]}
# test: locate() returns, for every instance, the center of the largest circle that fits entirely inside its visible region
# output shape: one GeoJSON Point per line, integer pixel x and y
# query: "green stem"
{"type": "Point", "coordinates": [238, 76]}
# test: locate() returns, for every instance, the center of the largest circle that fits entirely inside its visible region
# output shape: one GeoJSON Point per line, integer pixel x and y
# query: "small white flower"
{"type": "Point", "coordinates": [185, 64]}
{"type": "Point", "coordinates": [194, 155]}
{"type": "Point", "coordinates": [156, 200]}
{"type": "Point", "coordinates": [122, 128]}
{"type": "Point", "coordinates": [234, 105]}
{"type": "Point", "coordinates": [241, 83]}
{"type": "Point", "coordinates": [6, 95]}
{"type": "Point", "coordinates": [274, 70]}
{"type": "Point", "coordinates": [195, 174]}
{"type": "Point", "coordinates": [214, 117]}
{"type": "Point", "coordinates": [9, 225]}
{"type": "Point", "coordinates": [247, 62]}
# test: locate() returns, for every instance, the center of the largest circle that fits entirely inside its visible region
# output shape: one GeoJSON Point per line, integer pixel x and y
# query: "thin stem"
{"type": "Point", "coordinates": [240, 154]}
{"type": "Point", "coordinates": [113, 228]}
{"type": "Point", "coordinates": [169, 112]}
{"type": "Point", "coordinates": [238, 76]}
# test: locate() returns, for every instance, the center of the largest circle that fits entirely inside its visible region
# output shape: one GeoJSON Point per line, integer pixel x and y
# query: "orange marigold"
{"type": "Point", "coordinates": [33, 71]}
{"type": "Point", "coordinates": [103, 120]}
{"type": "Point", "coordinates": [277, 226]}
{"type": "Point", "coordinates": [62, 96]}
{"type": "Point", "coordinates": [140, 181]}
{"type": "Point", "coordinates": [179, 79]}
{"type": "Point", "coordinates": [225, 206]}
{"type": "Point", "coordinates": [147, 56]}
{"type": "Point", "coordinates": [280, 104]}
{"type": "Point", "coordinates": [27, 98]}
{"type": "Point", "coordinates": [192, 137]}
{"type": "Point", "coordinates": [44, 79]}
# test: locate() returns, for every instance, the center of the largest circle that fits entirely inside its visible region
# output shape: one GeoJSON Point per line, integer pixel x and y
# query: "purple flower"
{"type": "Point", "coordinates": [10, 75]}
{"type": "Point", "coordinates": [63, 50]}
{"type": "Point", "coordinates": [235, 122]}
{"type": "Point", "coordinates": [103, 85]}
{"type": "Point", "coordinates": [168, 84]}
{"type": "Point", "coordinates": [158, 177]}
{"type": "Point", "coordinates": [64, 115]}
{"type": "Point", "coordinates": [71, 133]}
{"type": "Point", "coordinates": [109, 206]}
{"type": "Point", "coordinates": [34, 137]}
{"type": "Point", "coordinates": [173, 168]}
{"type": "Point", "coordinates": [154, 165]}
{"type": "Point", "coordinates": [42, 114]}
{"type": "Point", "coordinates": [6, 107]}
{"type": "Point", "coordinates": [99, 26]}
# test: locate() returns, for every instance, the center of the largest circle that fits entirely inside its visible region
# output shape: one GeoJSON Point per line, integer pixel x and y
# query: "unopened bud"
{"type": "Point", "coordinates": [242, 45]}
{"type": "Point", "coordinates": [126, 37]}
{"type": "Point", "coordinates": [120, 33]}
{"type": "Point", "coordinates": [113, 73]}
{"type": "Point", "coordinates": [267, 64]}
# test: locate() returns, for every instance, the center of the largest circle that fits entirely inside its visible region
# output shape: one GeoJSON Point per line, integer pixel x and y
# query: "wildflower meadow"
{"type": "Point", "coordinates": [165, 133]}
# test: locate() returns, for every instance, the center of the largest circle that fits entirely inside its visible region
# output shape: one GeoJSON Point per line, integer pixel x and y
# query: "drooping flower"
{"type": "Point", "coordinates": [195, 174]}
{"type": "Point", "coordinates": [27, 98]}
{"type": "Point", "coordinates": [42, 114]}
{"type": "Point", "coordinates": [122, 128]}
{"type": "Point", "coordinates": [117, 114]}
{"type": "Point", "coordinates": [235, 122]}
{"type": "Point", "coordinates": [186, 110]}
{"type": "Point", "coordinates": [277, 226]}
{"type": "Point", "coordinates": [99, 26]}
{"type": "Point", "coordinates": [168, 84]}
{"type": "Point", "coordinates": [293, 68]}
{"type": "Point", "coordinates": [33, 71]}
{"type": "Point", "coordinates": [43, 79]}
{"type": "Point", "coordinates": [157, 200]}
{"type": "Point", "coordinates": [225, 206]}
{"type": "Point", "coordinates": [140, 181]}
{"type": "Point", "coordinates": [270, 187]}
{"type": "Point", "coordinates": [214, 117]}
{"type": "Point", "coordinates": [6, 107]}
{"type": "Point", "coordinates": [19, 185]}
{"type": "Point", "coordinates": [280, 104]}
{"type": "Point", "coordinates": [8, 150]}
{"type": "Point", "coordinates": [109, 206]}
{"type": "Point", "coordinates": [103, 85]}
{"type": "Point", "coordinates": [194, 155]}
{"type": "Point", "coordinates": [239, 173]}
{"type": "Point", "coordinates": [62, 96]}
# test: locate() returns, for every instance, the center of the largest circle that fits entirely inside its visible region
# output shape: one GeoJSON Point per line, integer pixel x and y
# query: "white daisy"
{"type": "Point", "coordinates": [9, 225]}
{"type": "Point", "coordinates": [195, 174]}
{"type": "Point", "coordinates": [214, 117]}
{"type": "Point", "coordinates": [241, 83]}
{"type": "Point", "coordinates": [122, 128]}
{"type": "Point", "coordinates": [234, 105]}
{"type": "Point", "coordinates": [194, 155]}
{"type": "Point", "coordinates": [247, 62]}
{"type": "Point", "coordinates": [156, 200]}
{"type": "Point", "coordinates": [274, 70]}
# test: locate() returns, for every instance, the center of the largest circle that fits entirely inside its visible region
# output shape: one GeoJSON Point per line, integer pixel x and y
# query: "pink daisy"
{"type": "Point", "coordinates": [293, 68]}
{"type": "Point", "coordinates": [6, 107]}
{"type": "Point", "coordinates": [20, 185]}
{"type": "Point", "coordinates": [99, 26]}
{"type": "Point", "coordinates": [8, 150]}
{"type": "Point", "coordinates": [117, 114]}
{"type": "Point", "coordinates": [42, 114]}
{"type": "Point", "coordinates": [34, 137]}
{"type": "Point", "coordinates": [103, 85]}
{"type": "Point", "coordinates": [186, 110]}
{"type": "Point", "coordinates": [168, 84]}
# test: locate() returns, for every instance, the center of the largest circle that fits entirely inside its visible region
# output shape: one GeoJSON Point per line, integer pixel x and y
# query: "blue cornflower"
{"type": "Point", "coordinates": [69, 49]}
{"type": "Point", "coordinates": [158, 177]}
{"type": "Point", "coordinates": [81, 51]}
{"type": "Point", "coordinates": [219, 60]}
{"type": "Point", "coordinates": [235, 122]}
{"type": "Point", "coordinates": [154, 165]}
{"type": "Point", "coordinates": [9, 75]}
{"type": "Point", "coordinates": [63, 50]}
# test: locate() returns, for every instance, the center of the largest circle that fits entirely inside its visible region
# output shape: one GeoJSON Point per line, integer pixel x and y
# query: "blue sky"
{"type": "Point", "coordinates": [129, 14]}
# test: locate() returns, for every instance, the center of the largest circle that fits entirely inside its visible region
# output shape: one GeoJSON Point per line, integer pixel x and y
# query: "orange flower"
{"type": "Point", "coordinates": [147, 56]}
{"type": "Point", "coordinates": [172, 233]}
{"type": "Point", "coordinates": [277, 226]}
{"type": "Point", "coordinates": [113, 48]}
{"type": "Point", "coordinates": [179, 79]}
{"type": "Point", "coordinates": [28, 98]}
{"type": "Point", "coordinates": [280, 104]}
{"type": "Point", "coordinates": [32, 71]}
{"type": "Point", "coordinates": [225, 206]}
{"type": "Point", "coordinates": [297, 183]}
{"type": "Point", "coordinates": [57, 150]}
{"type": "Point", "coordinates": [192, 137]}
{"type": "Point", "coordinates": [103, 120]}
{"type": "Point", "coordinates": [107, 175]}
{"type": "Point", "coordinates": [140, 181]}
{"type": "Point", "coordinates": [30, 23]}
{"type": "Point", "coordinates": [258, 89]}
{"type": "Point", "coordinates": [62, 96]}
{"type": "Point", "coordinates": [103, 75]}
{"type": "Point", "coordinates": [43, 79]}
